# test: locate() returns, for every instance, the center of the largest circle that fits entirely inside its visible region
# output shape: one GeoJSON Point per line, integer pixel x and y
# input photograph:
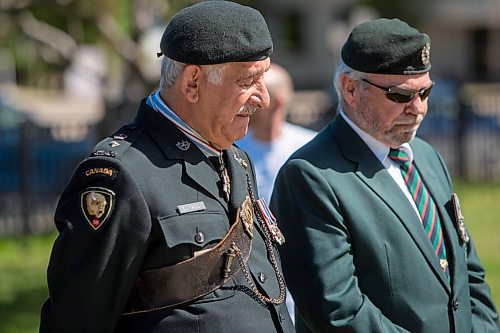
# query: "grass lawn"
{"type": "Point", "coordinates": [23, 261]}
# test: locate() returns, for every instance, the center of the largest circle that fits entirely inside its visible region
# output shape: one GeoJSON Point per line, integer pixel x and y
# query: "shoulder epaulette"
{"type": "Point", "coordinates": [116, 144]}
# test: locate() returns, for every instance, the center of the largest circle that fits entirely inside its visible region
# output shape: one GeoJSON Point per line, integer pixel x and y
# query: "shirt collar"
{"type": "Point", "coordinates": [379, 149]}
{"type": "Point", "coordinates": [156, 103]}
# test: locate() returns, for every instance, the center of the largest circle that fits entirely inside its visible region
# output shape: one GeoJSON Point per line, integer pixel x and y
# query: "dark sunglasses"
{"type": "Point", "coordinates": [401, 95]}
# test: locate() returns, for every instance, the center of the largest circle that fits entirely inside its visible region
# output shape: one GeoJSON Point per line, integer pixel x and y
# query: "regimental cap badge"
{"type": "Point", "coordinates": [426, 53]}
{"type": "Point", "coordinates": [97, 204]}
{"type": "Point", "coordinates": [183, 145]}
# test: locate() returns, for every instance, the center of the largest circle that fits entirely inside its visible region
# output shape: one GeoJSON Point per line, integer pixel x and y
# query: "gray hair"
{"type": "Point", "coordinates": [215, 72]}
{"type": "Point", "coordinates": [171, 69]}
{"type": "Point", "coordinates": [343, 69]}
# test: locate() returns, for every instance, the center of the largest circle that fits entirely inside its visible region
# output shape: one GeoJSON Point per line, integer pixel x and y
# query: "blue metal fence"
{"type": "Point", "coordinates": [463, 123]}
{"type": "Point", "coordinates": [34, 168]}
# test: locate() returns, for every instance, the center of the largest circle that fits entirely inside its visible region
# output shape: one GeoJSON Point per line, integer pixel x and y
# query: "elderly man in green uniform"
{"type": "Point", "coordinates": [160, 229]}
{"type": "Point", "coordinates": [375, 238]}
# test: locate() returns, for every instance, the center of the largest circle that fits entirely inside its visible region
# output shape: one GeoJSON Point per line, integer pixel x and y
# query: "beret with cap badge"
{"type": "Point", "coordinates": [387, 46]}
{"type": "Point", "coordinates": [213, 32]}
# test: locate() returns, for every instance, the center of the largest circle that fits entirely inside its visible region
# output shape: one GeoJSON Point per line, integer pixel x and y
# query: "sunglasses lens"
{"type": "Point", "coordinates": [424, 94]}
{"type": "Point", "coordinates": [404, 96]}
{"type": "Point", "coordinates": [399, 97]}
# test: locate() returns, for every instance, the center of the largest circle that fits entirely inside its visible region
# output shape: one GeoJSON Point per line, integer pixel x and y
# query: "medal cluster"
{"type": "Point", "coordinates": [269, 238]}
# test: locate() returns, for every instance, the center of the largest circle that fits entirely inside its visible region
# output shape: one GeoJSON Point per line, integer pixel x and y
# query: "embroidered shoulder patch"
{"type": "Point", "coordinates": [97, 204]}
{"type": "Point", "coordinates": [110, 172]}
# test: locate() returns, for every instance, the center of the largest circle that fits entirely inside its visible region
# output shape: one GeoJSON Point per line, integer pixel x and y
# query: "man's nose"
{"type": "Point", "coordinates": [417, 105]}
{"type": "Point", "coordinates": [260, 98]}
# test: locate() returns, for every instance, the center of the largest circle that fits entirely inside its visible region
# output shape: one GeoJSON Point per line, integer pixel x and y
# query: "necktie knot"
{"type": "Point", "coordinates": [399, 156]}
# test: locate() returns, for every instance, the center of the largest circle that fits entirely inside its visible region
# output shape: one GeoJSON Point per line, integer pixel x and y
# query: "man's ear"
{"type": "Point", "coordinates": [349, 89]}
{"type": "Point", "coordinates": [190, 82]}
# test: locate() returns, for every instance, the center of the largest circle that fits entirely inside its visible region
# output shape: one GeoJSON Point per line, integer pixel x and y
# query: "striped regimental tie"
{"type": "Point", "coordinates": [425, 204]}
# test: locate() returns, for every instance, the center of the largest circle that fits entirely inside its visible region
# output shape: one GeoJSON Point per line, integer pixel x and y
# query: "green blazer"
{"type": "Point", "coordinates": [148, 169]}
{"type": "Point", "coordinates": [356, 257]}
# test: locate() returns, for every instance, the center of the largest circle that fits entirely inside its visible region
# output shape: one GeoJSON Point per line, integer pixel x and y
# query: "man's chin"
{"type": "Point", "coordinates": [396, 141]}
{"type": "Point", "coordinates": [239, 137]}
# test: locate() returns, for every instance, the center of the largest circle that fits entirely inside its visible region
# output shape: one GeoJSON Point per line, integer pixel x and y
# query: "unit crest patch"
{"type": "Point", "coordinates": [97, 204]}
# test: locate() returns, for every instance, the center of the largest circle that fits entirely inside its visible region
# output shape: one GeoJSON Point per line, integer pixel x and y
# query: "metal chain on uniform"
{"type": "Point", "coordinates": [269, 248]}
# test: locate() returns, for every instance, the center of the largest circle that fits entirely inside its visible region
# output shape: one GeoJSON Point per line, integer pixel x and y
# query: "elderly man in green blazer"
{"type": "Point", "coordinates": [375, 240]}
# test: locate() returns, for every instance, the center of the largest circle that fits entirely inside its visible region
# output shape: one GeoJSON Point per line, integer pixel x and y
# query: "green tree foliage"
{"type": "Point", "coordinates": [41, 37]}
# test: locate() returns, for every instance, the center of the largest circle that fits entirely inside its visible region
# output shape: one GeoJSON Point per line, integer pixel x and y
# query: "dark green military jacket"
{"type": "Point", "coordinates": [357, 258]}
{"type": "Point", "coordinates": [120, 215]}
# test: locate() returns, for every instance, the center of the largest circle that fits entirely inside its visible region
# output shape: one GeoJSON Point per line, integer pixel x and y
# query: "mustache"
{"type": "Point", "coordinates": [248, 110]}
{"type": "Point", "coordinates": [409, 121]}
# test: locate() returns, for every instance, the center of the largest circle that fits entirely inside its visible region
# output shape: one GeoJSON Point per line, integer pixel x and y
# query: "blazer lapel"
{"type": "Point", "coordinates": [375, 176]}
{"type": "Point", "coordinates": [176, 146]}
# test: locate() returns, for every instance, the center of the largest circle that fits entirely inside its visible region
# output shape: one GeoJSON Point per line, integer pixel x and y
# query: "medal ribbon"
{"type": "Point", "coordinates": [155, 102]}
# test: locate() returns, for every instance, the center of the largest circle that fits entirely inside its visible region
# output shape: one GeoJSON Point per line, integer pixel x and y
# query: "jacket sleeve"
{"type": "Point", "coordinates": [484, 314]}
{"type": "Point", "coordinates": [317, 257]}
{"type": "Point", "coordinates": [96, 255]}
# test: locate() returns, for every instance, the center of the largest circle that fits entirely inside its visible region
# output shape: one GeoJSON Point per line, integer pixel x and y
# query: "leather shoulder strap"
{"type": "Point", "coordinates": [190, 279]}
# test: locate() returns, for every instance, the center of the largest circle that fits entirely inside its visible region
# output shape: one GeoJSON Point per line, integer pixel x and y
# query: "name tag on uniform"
{"type": "Point", "coordinates": [191, 207]}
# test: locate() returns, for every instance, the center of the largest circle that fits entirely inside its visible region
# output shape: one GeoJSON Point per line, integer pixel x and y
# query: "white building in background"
{"type": "Point", "coordinates": [70, 112]}
{"type": "Point", "coordinates": [466, 38]}
{"type": "Point", "coordinates": [308, 35]}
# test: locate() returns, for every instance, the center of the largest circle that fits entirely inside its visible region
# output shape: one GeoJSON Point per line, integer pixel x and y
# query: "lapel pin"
{"type": "Point", "coordinates": [114, 144]}
{"type": "Point", "coordinates": [443, 263]}
{"type": "Point", "coordinates": [183, 145]}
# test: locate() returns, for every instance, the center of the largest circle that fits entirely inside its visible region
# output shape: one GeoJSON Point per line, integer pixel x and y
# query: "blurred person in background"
{"type": "Point", "coordinates": [271, 139]}
{"type": "Point", "coordinates": [376, 241]}
{"type": "Point", "coordinates": [160, 229]}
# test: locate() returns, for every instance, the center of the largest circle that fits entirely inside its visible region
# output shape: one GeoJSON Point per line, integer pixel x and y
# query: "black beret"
{"type": "Point", "coordinates": [214, 32]}
{"type": "Point", "coordinates": [387, 46]}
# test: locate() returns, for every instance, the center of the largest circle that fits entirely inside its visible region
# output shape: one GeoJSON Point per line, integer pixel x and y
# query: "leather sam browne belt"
{"type": "Point", "coordinates": [190, 279]}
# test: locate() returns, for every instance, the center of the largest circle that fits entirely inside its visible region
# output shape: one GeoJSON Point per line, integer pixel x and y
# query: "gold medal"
{"type": "Point", "coordinates": [246, 215]}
